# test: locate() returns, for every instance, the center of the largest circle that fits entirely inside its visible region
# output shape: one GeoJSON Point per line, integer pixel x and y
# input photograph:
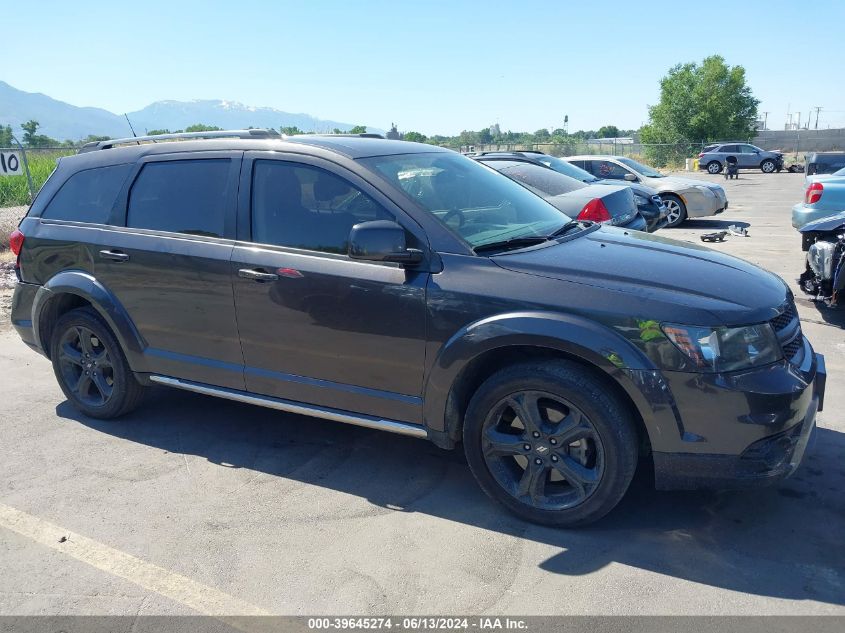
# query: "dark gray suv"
{"type": "Point", "coordinates": [404, 287]}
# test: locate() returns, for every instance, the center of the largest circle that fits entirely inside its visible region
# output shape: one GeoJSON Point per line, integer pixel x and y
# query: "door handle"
{"type": "Point", "coordinates": [115, 256]}
{"type": "Point", "coordinates": [257, 275]}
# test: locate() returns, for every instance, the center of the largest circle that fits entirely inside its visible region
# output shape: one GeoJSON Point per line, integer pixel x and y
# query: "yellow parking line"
{"type": "Point", "coordinates": [192, 594]}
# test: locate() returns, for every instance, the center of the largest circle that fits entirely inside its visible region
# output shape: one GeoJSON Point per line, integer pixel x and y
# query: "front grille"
{"type": "Point", "coordinates": [787, 327]}
{"type": "Point", "coordinates": [784, 318]}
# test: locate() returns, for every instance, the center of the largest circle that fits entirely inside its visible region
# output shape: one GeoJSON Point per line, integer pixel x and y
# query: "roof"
{"type": "Point", "coordinates": [349, 146]}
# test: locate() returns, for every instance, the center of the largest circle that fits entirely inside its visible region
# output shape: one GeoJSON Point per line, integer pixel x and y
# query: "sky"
{"type": "Point", "coordinates": [436, 67]}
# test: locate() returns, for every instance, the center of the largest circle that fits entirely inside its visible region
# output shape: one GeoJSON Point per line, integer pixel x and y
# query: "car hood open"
{"type": "Point", "coordinates": [655, 268]}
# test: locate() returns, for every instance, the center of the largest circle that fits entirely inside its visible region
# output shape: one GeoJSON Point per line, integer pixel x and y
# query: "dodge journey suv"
{"type": "Point", "coordinates": [404, 287]}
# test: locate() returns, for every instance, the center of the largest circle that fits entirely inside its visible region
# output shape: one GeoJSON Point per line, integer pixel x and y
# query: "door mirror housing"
{"type": "Point", "coordinates": [631, 177]}
{"type": "Point", "coordinates": [381, 241]}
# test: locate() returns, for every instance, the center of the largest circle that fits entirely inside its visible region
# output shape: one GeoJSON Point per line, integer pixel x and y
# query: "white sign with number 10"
{"type": "Point", "coordinates": [10, 164]}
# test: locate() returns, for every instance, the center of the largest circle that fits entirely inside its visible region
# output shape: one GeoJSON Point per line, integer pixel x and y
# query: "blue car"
{"type": "Point", "coordinates": [825, 196]}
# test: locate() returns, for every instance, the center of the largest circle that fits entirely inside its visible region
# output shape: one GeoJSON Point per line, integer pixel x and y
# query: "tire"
{"type": "Point", "coordinates": [768, 166]}
{"type": "Point", "coordinates": [677, 210]}
{"type": "Point", "coordinates": [91, 367]}
{"type": "Point", "coordinates": [560, 482]}
{"type": "Point", "coordinates": [714, 167]}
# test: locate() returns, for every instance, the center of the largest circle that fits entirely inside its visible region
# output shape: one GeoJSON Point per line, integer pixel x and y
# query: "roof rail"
{"type": "Point", "coordinates": [345, 134]}
{"type": "Point", "coordinates": [137, 140]}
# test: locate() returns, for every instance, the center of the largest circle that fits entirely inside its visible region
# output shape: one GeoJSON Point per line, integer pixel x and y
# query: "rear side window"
{"type": "Point", "coordinates": [181, 196]}
{"type": "Point", "coordinates": [88, 195]}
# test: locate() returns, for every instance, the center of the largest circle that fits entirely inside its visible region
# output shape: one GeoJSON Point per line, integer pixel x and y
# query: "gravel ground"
{"type": "Point", "coordinates": [11, 214]}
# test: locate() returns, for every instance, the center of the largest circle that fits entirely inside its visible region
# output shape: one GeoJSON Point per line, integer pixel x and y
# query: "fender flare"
{"type": "Point", "coordinates": [84, 285]}
{"type": "Point", "coordinates": [589, 341]}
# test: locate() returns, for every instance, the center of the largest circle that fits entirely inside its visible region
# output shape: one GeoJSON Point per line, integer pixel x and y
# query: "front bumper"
{"type": "Point", "coordinates": [777, 412]}
{"type": "Point", "coordinates": [702, 203]}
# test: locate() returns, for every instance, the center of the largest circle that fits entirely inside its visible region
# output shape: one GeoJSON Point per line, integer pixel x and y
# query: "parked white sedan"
{"type": "Point", "coordinates": [684, 197]}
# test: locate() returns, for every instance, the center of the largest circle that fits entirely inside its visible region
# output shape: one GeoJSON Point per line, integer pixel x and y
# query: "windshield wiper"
{"type": "Point", "coordinates": [565, 228]}
{"type": "Point", "coordinates": [514, 242]}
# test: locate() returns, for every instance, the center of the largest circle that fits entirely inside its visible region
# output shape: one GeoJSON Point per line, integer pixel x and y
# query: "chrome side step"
{"type": "Point", "coordinates": [358, 419]}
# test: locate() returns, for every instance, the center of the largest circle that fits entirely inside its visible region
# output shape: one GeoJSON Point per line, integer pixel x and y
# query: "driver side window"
{"type": "Point", "coordinates": [608, 169]}
{"type": "Point", "coordinates": [306, 207]}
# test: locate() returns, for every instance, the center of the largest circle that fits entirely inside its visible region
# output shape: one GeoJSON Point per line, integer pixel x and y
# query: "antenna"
{"type": "Point", "coordinates": [130, 125]}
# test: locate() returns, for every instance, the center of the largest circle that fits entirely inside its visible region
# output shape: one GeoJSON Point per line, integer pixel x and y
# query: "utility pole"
{"type": "Point", "coordinates": [817, 109]}
{"type": "Point", "coordinates": [765, 120]}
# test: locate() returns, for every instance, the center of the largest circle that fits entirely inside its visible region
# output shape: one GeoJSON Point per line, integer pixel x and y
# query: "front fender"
{"type": "Point", "coordinates": [575, 336]}
{"type": "Point", "coordinates": [84, 285]}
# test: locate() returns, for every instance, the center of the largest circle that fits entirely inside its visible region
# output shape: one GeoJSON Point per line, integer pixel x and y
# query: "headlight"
{"type": "Point", "coordinates": [640, 201]}
{"type": "Point", "coordinates": [725, 349]}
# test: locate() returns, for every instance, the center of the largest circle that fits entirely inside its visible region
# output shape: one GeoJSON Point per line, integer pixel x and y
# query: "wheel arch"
{"type": "Point", "coordinates": [73, 289]}
{"type": "Point", "coordinates": [482, 348]}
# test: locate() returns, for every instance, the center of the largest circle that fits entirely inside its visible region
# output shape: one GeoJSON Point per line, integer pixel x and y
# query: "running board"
{"type": "Point", "coordinates": [358, 419]}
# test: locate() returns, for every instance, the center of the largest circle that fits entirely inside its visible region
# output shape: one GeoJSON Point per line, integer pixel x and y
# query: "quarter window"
{"type": "Point", "coordinates": [88, 196]}
{"type": "Point", "coordinates": [181, 196]}
{"type": "Point", "coordinates": [307, 207]}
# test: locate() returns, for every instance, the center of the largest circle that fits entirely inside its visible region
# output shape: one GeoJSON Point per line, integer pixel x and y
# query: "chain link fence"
{"type": "Point", "coordinates": [14, 190]}
{"type": "Point", "coordinates": [657, 154]}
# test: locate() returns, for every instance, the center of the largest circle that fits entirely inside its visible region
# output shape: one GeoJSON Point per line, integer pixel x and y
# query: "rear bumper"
{"type": "Point", "coordinates": [22, 301]}
{"type": "Point", "coordinates": [763, 462]}
{"type": "Point", "coordinates": [802, 214]}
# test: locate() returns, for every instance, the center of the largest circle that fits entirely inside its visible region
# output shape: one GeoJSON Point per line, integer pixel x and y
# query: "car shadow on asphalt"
{"type": "Point", "coordinates": [783, 542]}
{"type": "Point", "coordinates": [829, 316]}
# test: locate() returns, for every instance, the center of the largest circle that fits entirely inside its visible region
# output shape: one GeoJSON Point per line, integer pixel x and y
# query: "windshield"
{"type": "Point", "coordinates": [648, 172]}
{"type": "Point", "coordinates": [567, 169]}
{"type": "Point", "coordinates": [544, 180]}
{"type": "Point", "coordinates": [475, 202]}
{"type": "Point", "coordinates": [841, 172]}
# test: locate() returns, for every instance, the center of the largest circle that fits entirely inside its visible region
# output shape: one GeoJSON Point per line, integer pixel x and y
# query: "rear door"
{"type": "Point", "coordinates": [166, 259]}
{"type": "Point", "coordinates": [316, 326]}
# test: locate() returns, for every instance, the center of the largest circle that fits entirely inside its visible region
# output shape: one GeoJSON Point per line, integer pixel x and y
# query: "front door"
{"type": "Point", "coordinates": [167, 259]}
{"type": "Point", "coordinates": [316, 326]}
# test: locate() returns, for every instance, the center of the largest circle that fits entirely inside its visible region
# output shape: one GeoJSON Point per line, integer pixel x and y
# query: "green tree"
{"type": "Point", "coordinates": [699, 103]}
{"type": "Point", "coordinates": [414, 137]}
{"type": "Point", "coordinates": [358, 129]}
{"type": "Point", "coordinates": [485, 137]}
{"type": "Point", "coordinates": [608, 131]}
{"type": "Point", "coordinates": [199, 127]}
{"type": "Point", "coordinates": [157, 132]}
{"type": "Point", "coordinates": [93, 138]}
{"type": "Point", "coordinates": [291, 130]}
{"type": "Point", "coordinates": [6, 136]}
{"type": "Point", "coordinates": [32, 139]}
{"type": "Point", "coordinates": [542, 135]}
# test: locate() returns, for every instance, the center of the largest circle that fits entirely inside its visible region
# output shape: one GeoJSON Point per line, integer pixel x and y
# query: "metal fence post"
{"type": "Point", "coordinates": [26, 168]}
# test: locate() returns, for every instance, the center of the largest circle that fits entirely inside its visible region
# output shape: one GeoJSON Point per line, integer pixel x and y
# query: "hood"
{"type": "Point", "coordinates": [679, 182]}
{"type": "Point", "coordinates": [720, 289]}
{"type": "Point", "coordinates": [640, 189]}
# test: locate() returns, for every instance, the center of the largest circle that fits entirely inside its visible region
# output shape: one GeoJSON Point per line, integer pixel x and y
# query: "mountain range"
{"type": "Point", "coordinates": [61, 121]}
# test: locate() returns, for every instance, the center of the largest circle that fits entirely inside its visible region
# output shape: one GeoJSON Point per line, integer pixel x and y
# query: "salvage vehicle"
{"type": "Point", "coordinates": [649, 204]}
{"type": "Point", "coordinates": [714, 158]}
{"type": "Point", "coordinates": [684, 197]}
{"type": "Point", "coordinates": [824, 197]}
{"type": "Point", "coordinates": [824, 275]}
{"type": "Point", "coordinates": [821, 163]}
{"type": "Point", "coordinates": [404, 287]}
{"type": "Point", "coordinates": [611, 205]}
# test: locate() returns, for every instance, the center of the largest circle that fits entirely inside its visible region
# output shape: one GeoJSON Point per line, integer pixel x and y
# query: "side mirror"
{"type": "Point", "coordinates": [631, 177]}
{"type": "Point", "coordinates": [381, 241]}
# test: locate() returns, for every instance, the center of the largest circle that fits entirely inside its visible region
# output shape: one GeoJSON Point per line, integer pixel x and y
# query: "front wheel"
{"type": "Point", "coordinates": [676, 210]}
{"type": "Point", "coordinates": [90, 366]}
{"type": "Point", "coordinates": [550, 442]}
{"type": "Point", "coordinates": [714, 167]}
{"type": "Point", "coordinates": [768, 166]}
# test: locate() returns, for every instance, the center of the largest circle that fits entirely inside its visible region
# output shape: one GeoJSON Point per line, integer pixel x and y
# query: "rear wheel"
{"type": "Point", "coordinates": [90, 366]}
{"type": "Point", "coordinates": [676, 210]}
{"type": "Point", "coordinates": [768, 166]}
{"type": "Point", "coordinates": [714, 167]}
{"type": "Point", "coordinates": [550, 443]}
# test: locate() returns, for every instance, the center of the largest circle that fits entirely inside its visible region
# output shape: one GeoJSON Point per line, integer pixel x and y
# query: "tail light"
{"type": "Point", "coordinates": [595, 211]}
{"type": "Point", "coordinates": [16, 244]}
{"type": "Point", "coordinates": [701, 155]}
{"type": "Point", "coordinates": [814, 193]}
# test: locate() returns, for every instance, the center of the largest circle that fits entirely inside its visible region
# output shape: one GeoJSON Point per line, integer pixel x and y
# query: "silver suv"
{"type": "Point", "coordinates": [713, 157]}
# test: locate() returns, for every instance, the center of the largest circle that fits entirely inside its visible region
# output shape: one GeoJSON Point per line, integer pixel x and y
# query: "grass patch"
{"type": "Point", "coordinates": [14, 190]}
